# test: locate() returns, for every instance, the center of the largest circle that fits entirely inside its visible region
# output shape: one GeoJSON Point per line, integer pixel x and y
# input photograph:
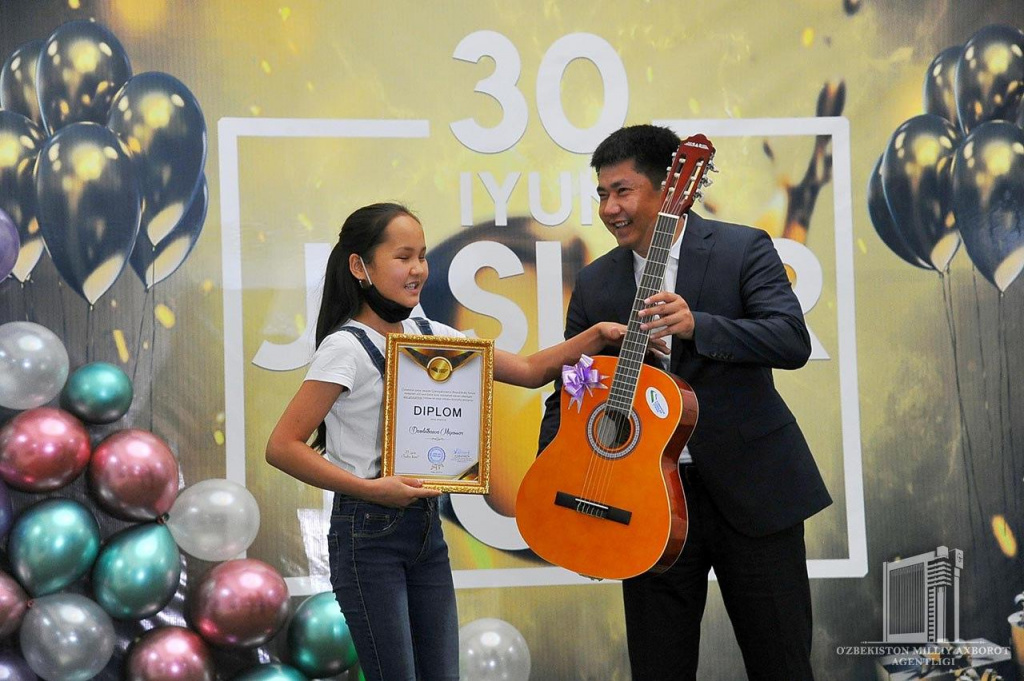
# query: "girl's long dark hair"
{"type": "Point", "coordinates": [362, 232]}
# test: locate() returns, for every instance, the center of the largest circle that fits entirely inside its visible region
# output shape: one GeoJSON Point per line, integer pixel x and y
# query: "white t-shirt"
{"type": "Point", "coordinates": [354, 422]}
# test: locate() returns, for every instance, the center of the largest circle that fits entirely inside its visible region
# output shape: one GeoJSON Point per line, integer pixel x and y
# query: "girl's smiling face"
{"type": "Point", "coordinates": [398, 266]}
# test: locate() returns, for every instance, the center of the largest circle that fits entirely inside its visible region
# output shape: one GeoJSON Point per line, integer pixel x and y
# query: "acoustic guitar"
{"type": "Point", "coordinates": [604, 498]}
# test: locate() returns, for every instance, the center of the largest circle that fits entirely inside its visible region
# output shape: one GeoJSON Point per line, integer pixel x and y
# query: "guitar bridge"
{"type": "Point", "coordinates": [593, 508]}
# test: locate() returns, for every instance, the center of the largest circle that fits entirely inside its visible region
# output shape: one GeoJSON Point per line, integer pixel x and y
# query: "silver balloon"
{"type": "Point", "coordinates": [33, 365]}
{"type": "Point", "coordinates": [66, 637]}
{"type": "Point", "coordinates": [492, 650]}
{"type": "Point", "coordinates": [214, 519]}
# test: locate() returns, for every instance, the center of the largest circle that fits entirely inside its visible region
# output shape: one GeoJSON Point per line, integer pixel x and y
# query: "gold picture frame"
{"type": "Point", "coordinates": [438, 399]}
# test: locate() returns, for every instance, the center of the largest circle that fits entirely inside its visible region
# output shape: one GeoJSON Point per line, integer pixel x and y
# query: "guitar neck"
{"type": "Point", "coordinates": [634, 345]}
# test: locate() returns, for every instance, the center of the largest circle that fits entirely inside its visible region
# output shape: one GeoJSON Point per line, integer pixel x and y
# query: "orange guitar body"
{"type": "Point", "coordinates": [615, 510]}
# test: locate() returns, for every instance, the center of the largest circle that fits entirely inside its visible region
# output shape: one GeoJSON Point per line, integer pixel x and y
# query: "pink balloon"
{"type": "Point", "coordinates": [169, 654]}
{"type": "Point", "coordinates": [134, 475]}
{"type": "Point", "coordinates": [240, 604]}
{"type": "Point", "coordinates": [43, 449]}
{"type": "Point", "coordinates": [13, 603]}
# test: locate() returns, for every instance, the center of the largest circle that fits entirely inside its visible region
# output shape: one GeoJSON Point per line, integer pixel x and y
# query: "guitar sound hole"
{"type": "Point", "coordinates": [613, 430]}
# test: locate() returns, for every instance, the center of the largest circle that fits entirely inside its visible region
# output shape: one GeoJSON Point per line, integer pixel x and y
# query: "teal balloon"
{"type": "Point", "coordinates": [272, 672]}
{"type": "Point", "coordinates": [319, 641]}
{"type": "Point", "coordinates": [97, 393]}
{"type": "Point", "coordinates": [52, 544]}
{"type": "Point", "coordinates": [137, 572]}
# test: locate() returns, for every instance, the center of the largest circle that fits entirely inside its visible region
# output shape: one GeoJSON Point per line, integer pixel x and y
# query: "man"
{"type": "Point", "coordinates": [750, 481]}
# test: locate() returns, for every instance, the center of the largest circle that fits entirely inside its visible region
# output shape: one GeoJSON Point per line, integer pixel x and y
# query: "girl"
{"type": "Point", "coordinates": [388, 558]}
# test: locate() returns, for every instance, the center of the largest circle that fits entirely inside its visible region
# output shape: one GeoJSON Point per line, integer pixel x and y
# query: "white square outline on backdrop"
{"type": "Point", "coordinates": [230, 130]}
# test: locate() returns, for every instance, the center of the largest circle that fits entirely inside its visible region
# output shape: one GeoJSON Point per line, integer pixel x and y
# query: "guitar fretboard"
{"type": "Point", "coordinates": [634, 345]}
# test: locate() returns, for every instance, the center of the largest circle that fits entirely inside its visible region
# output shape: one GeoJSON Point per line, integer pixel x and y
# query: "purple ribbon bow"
{"type": "Point", "coordinates": [579, 377]}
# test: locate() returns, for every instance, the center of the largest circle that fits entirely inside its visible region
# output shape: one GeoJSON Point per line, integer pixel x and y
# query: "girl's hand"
{"type": "Point", "coordinates": [612, 333]}
{"type": "Point", "coordinates": [398, 492]}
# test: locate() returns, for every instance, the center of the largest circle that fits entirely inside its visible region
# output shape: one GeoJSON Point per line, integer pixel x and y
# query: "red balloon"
{"type": "Point", "coordinates": [134, 475]}
{"type": "Point", "coordinates": [240, 603]}
{"type": "Point", "coordinates": [169, 654]}
{"type": "Point", "coordinates": [43, 449]}
{"type": "Point", "coordinates": [13, 603]}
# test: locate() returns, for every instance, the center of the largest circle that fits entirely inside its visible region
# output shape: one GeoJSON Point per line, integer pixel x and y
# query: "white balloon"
{"type": "Point", "coordinates": [214, 519]}
{"type": "Point", "coordinates": [33, 365]}
{"type": "Point", "coordinates": [66, 637]}
{"type": "Point", "coordinates": [492, 650]}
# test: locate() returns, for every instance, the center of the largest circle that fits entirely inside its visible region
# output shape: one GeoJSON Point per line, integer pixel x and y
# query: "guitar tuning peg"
{"type": "Point", "coordinates": [711, 167]}
{"type": "Point", "coordinates": [698, 196]}
{"type": "Point", "coordinates": [705, 181]}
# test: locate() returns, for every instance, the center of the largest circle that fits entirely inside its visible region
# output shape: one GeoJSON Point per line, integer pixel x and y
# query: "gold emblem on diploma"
{"type": "Point", "coordinates": [437, 411]}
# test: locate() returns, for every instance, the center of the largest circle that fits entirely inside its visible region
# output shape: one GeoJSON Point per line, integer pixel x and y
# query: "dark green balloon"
{"type": "Point", "coordinates": [137, 572]}
{"type": "Point", "coordinates": [319, 641]}
{"type": "Point", "coordinates": [97, 393]}
{"type": "Point", "coordinates": [52, 544]}
{"type": "Point", "coordinates": [272, 672]}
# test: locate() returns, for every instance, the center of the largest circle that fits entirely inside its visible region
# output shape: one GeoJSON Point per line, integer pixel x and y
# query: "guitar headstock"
{"type": "Point", "coordinates": [687, 174]}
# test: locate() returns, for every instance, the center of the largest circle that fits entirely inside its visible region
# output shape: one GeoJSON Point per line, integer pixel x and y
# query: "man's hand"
{"type": "Point", "coordinates": [667, 314]}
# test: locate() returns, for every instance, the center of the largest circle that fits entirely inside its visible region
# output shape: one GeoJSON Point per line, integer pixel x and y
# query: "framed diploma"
{"type": "Point", "coordinates": [437, 411]}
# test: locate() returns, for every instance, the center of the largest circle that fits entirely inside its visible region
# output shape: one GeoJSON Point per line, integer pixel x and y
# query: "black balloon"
{"type": "Point", "coordinates": [152, 263]}
{"type": "Point", "coordinates": [81, 68]}
{"type": "Point", "coordinates": [20, 142]}
{"type": "Point", "coordinates": [89, 206]}
{"type": "Point", "coordinates": [988, 198]}
{"type": "Point", "coordinates": [881, 218]}
{"type": "Point", "coordinates": [915, 180]}
{"type": "Point", "coordinates": [990, 76]}
{"type": "Point", "coordinates": [18, 82]}
{"type": "Point", "coordinates": [940, 85]}
{"type": "Point", "coordinates": [161, 123]}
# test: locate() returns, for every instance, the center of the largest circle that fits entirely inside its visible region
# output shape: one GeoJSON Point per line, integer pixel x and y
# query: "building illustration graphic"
{"type": "Point", "coordinates": [921, 597]}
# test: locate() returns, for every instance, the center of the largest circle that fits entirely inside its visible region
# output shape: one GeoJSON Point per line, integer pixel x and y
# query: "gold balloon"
{"type": "Point", "coordinates": [89, 206]}
{"type": "Point", "coordinates": [81, 68]}
{"type": "Point", "coordinates": [20, 142]}
{"type": "Point", "coordinates": [18, 82]}
{"type": "Point", "coordinates": [916, 182]}
{"type": "Point", "coordinates": [990, 76]}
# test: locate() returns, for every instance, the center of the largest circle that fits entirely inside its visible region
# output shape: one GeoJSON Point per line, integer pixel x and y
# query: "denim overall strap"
{"type": "Point", "coordinates": [424, 326]}
{"type": "Point", "coordinates": [371, 349]}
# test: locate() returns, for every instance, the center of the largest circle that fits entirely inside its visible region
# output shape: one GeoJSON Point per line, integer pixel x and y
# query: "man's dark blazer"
{"type": "Point", "coordinates": [747, 446]}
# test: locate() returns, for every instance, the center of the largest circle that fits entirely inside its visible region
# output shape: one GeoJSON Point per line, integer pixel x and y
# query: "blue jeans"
{"type": "Point", "coordinates": [392, 579]}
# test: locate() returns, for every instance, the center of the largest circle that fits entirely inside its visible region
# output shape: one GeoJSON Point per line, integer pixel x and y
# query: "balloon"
{"type": "Point", "coordinates": [272, 672]}
{"type": "Point", "coordinates": [89, 206]}
{"type": "Point", "coordinates": [492, 650]}
{"type": "Point", "coordinates": [42, 450]}
{"type": "Point", "coordinates": [134, 475]}
{"type": "Point", "coordinates": [18, 83]}
{"type": "Point", "coordinates": [940, 85]}
{"type": "Point", "coordinates": [988, 199]}
{"type": "Point", "coordinates": [66, 637]}
{"type": "Point", "coordinates": [169, 654]}
{"type": "Point", "coordinates": [14, 668]}
{"type": "Point", "coordinates": [97, 393]}
{"type": "Point", "coordinates": [214, 519]}
{"type": "Point", "coordinates": [137, 572]}
{"type": "Point", "coordinates": [153, 264]}
{"type": "Point", "coordinates": [989, 76]}
{"type": "Point", "coordinates": [53, 543]}
{"type": "Point", "coordinates": [239, 604]}
{"type": "Point", "coordinates": [13, 602]}
{"type": "Point", "coordinates": [915, 180]}
{"type": "Point", "coordinates": [33, 365]}
{"type": "Point", "coordinates": [160, 121]}
{"type": "Point", "coordinates": [21, 140]}
{"type": "Point", "coordinates": [319, 641]}
{"type": "Point", "coordinates": [6, 515]}
{"type": "Point", "coordinates": [10, 244]}
{"type": "Point", "coordinates": [81, 68]}
{"type": "Point", "coordinates": [881, 218]}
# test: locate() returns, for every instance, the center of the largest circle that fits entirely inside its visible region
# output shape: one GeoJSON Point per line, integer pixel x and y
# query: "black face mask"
{"type": "Point", "coordinates": [386, 309]}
